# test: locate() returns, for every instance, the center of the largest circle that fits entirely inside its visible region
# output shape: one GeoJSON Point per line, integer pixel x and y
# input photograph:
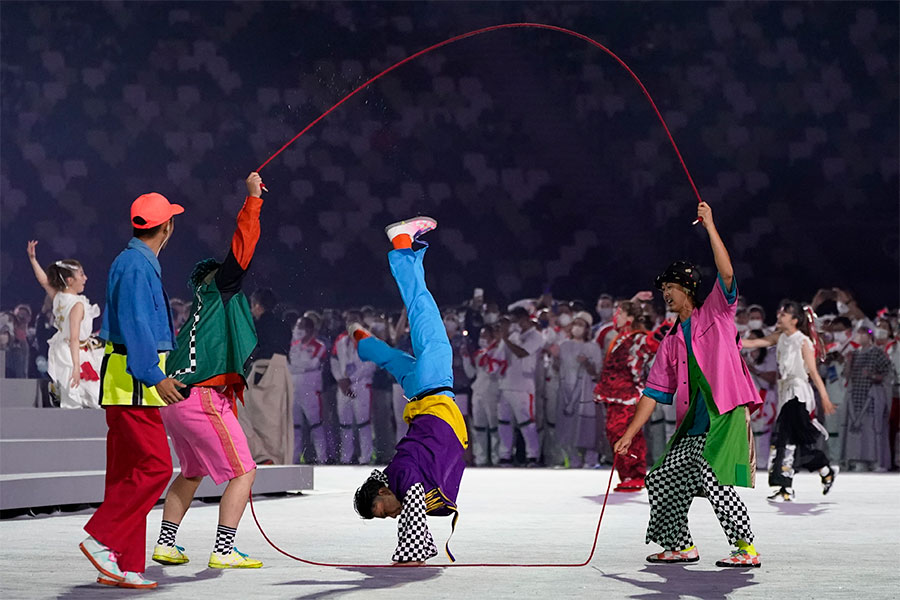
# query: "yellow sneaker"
{"type": "Point", "coordinates": [170, 555]}
{"type": "Point", "coordinates": [234, 560]}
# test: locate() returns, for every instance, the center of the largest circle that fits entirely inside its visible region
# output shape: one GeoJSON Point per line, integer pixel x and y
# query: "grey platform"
{"type": "Point", "coordinates": [52, 456]}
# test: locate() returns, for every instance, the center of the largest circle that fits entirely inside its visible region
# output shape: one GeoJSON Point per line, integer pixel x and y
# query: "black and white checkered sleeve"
{"type": "Point", "coordinates": [414, 541]}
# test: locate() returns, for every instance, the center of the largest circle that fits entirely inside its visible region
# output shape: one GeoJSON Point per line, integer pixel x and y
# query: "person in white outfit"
{"type": "Point", "coordinates": [305, 365]}
{"type": "Point", "coordinates": [763, 368]}
{"type": "Point", "coordinates": [548, 389]}
{"type": "Point", "coordinates": [522, 344]}
{"type": "Point", "coordinates": [485, 367]}
{"type": "Point", "coordinates": [74, 357]}
{"type": "Point", "coordinates": [580, 361]}
{"type": "Point", "coordinates": [354, 394]}
{"type": "Point", "coordinates": [794, 441]}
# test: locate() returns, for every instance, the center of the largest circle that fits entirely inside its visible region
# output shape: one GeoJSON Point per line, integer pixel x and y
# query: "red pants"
{"type": "Point", "coordinates": [138, 468]}
{"type": "Point", "coordinates": [618, 416]}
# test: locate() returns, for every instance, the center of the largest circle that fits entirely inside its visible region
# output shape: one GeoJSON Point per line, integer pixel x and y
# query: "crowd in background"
{"type": "Point", "coordinates": [347, 411]}
{"type": "Point", "coordinates": [783, 111]}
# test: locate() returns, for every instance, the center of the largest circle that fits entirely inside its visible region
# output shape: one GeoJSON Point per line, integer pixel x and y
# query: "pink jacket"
{"type": "Point", "coordinates": [717, 350]}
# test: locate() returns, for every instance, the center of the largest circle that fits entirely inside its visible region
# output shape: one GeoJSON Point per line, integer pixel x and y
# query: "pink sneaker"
{"type": "Point", "coordinates": [740, 558]}
{"type": "Point", "coordinates": [413, 227]}
{"type": "Point", "coordinates": [675, 556]}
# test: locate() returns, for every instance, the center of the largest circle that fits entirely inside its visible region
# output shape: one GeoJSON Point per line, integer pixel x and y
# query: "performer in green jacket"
{"type": "Point", "coordinates": [213, 345]}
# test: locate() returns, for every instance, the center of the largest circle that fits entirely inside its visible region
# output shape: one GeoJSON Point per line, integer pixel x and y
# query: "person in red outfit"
{"type": "Point", "coordinates": [620, 385]}
{"type": "Point", "coordinates": [137, 327]}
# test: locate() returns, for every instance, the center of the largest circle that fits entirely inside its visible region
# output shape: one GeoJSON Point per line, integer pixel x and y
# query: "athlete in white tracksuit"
{"type": "Point", "coordinates": [354, 398]}
{"type": "Point", "coordinates": [305, 364]}
{"type": "Point", "coordinates": [522, 344]}
{"type": "Point", "coordinates": [485, 367]}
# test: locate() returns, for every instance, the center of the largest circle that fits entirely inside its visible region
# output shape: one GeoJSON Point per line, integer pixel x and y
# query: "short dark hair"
{"type": "Point", "coordinates": [519, 313]}
{"type": "Point", "coordinates": [847, 323]}
{"type": "Point", "coordinates": [143, 234]}
{"type": "Point", "coordinates": [364, 498]}
{"type": "Point", "coordinates": [265, 297]}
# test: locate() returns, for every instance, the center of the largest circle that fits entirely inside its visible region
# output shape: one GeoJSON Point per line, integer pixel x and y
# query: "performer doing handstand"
{"type": "Point", "coordinates": [424, 475]}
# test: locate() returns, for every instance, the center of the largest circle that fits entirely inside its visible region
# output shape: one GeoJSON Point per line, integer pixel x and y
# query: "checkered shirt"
{"type": "Point", "coordinates": [414, 541]}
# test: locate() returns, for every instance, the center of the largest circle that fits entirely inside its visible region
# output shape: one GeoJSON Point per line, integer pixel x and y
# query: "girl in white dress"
{"type": "Point", "coordinates": [72, 344]}
{"type": "Point", "coordinates": [797, 432]}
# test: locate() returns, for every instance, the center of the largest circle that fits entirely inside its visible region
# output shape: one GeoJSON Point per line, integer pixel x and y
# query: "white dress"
{"type": "Point", "coordinates": [59, 357]}
{"type": "Point", "coordinates": [793, 378]}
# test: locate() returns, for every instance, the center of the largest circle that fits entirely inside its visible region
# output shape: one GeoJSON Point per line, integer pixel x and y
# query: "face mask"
{"type": "Point", "coordinates": [605, 313]}
{"type": "Point", "coordinates": [369, 321]}
{"type": "Point", "coordinates": [565, 320]}
{"type": "Point", "coordinates": [743, 328]}
{"type": "Point", "coordinates": [755, 324]}
{"type": "Point", "coordinates": [841, 337]}
{"type": "Point", "coordinates": [515, 328]}
{"type": "Point", "coordinates": [881, 334]}
{"type": "Point", "coordinates": [298, 333]}
{"type": "Point", "coordinates": [483, 343]}
{"type": "Point", "coordinates": [491, 317]}
{"type": "Point", "coordinates": [451, 326]}
{"type": "Point", "coordinates": [577, 331]}
{"type": "Point", "coordinates": [842, 308]}
{"type": "Point", "coordinates": [860, 338]}
{"type": "Point", "coordinates": [379, 329]}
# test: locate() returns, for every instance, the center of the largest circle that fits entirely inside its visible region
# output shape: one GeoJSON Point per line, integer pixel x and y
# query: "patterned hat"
{"type": "Point", "coordinates": [685, 274]}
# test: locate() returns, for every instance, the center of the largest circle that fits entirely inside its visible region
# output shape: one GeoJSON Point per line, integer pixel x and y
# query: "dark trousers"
{"type": "Point", "coordinates": [794, 440]}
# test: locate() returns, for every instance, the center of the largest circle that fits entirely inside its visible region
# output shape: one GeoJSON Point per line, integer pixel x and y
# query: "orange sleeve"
{"type": "Point", "coordinates": [246, 235]}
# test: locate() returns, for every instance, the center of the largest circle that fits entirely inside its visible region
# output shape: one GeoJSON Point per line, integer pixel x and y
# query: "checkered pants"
{"type": "Point", "coordinates": [672, 487]}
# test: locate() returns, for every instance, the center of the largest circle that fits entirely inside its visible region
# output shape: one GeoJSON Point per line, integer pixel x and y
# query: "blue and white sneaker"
{"type": "Point", "coordinates": [103, 558]}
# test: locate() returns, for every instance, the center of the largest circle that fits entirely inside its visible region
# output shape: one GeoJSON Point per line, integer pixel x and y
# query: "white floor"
{"type": "Point", "coordinates": [843, 545]}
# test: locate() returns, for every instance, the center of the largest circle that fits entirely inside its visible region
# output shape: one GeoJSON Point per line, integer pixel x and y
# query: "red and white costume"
{"type": "Point", "coordinates": [486, 366]}
{"type": "Point", "coordinates": [620, 386]}
{"type": "Point", "coordinates": [353, 411]}
{"type": "Point", "coordinates": [306, 370]}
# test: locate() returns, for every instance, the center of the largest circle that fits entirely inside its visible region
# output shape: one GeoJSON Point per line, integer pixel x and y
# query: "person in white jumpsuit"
{"type": "Point", "coordinates": [305, 364]}
{"type": "Point", "coordinates": [522, 343]}
{"type": "Point", "coordinates": [354, 395]}
{"type": "Point", "coordinates": [485, 367]}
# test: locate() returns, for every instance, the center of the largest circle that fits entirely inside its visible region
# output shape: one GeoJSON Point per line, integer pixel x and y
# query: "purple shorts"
{"type": "Point", "coordinates": [207, 436]}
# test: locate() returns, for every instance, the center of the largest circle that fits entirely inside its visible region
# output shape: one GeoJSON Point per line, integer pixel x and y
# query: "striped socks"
{"type": "Point", "coordinates": [167, 532]}
{"type": "Point", "coordinates": [224, 539]}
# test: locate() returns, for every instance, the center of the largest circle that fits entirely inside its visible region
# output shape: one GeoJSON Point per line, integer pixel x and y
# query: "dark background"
{"type": "Point", "coordinates": [537, 153]}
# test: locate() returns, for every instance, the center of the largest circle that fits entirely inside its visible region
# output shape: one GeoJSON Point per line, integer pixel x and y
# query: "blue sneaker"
{"type": "Point", "coordinates": [103, 558]}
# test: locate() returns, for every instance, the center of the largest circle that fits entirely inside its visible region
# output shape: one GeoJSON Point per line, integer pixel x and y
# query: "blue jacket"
{"type": "Point", "coordinates": [137, 311]}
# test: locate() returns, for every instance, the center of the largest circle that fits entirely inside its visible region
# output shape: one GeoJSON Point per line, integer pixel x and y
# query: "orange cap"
{"type": "Point", "coordinates": [152, 209]}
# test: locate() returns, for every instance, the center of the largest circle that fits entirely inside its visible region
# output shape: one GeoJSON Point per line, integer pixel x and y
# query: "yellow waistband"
{"type": "Point", "coordinates": [442, 407]}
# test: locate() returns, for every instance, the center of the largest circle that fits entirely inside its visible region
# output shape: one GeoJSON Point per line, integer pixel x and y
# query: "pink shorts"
{"type": "Point", "coordinates": [207, 436]}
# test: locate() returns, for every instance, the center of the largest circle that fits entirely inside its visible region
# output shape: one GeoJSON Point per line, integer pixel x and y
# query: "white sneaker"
{"type": "Point", "coordinates": [354, 327]}
{"type": "Point", "coordinates": [134, 581]}
{"type": "Point", "coordinates": [413, 227]}
{"type": "Point", "coordinates": [103, 558]}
